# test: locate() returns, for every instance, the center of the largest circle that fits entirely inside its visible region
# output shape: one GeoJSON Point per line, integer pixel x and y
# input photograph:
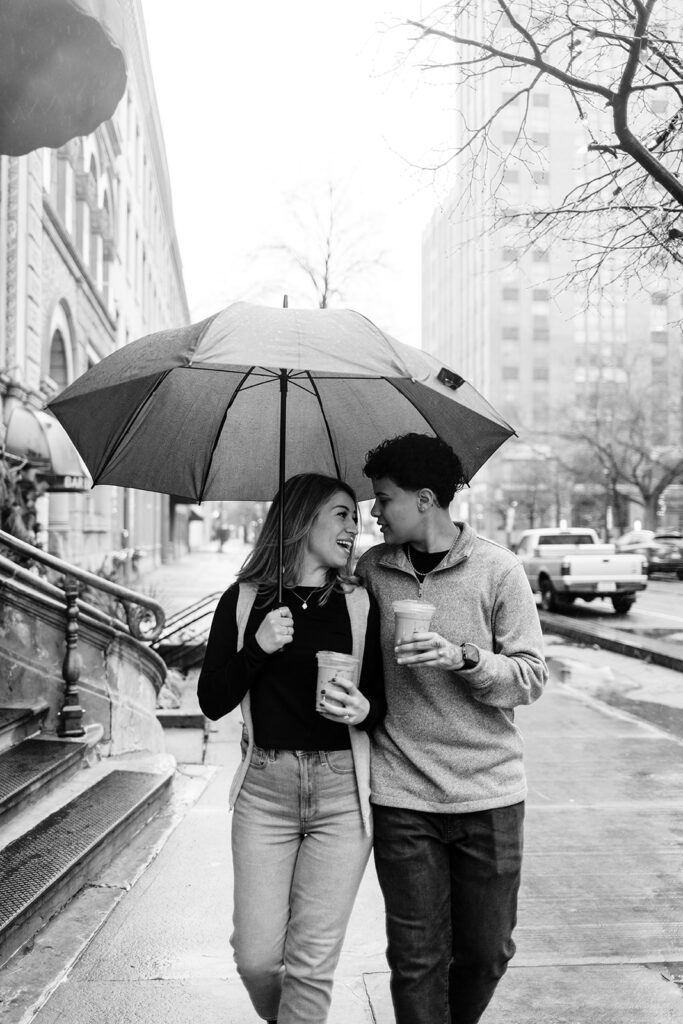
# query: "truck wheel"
{"type": "Point", "coordinates": [622, 603]}
{"type": "Point", "coordinates": [680, 574]}
{"type": "Point", "coordinates": [548, 597]}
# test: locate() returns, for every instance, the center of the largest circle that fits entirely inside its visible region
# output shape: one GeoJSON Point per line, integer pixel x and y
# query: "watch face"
{"type": "Point", "coordinates": [471, 655]}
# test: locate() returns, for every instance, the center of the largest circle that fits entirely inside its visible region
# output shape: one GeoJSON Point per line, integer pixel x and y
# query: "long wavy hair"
{"type": "Point", "coordinates": [304, 495]}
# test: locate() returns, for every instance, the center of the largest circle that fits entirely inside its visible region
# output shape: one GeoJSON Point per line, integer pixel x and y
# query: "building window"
{"type": "Point", "coordinates": [541, 371]}
{"type": "Point", "coordinates": [541, 138]}
{"type": "Point", "coordinates": [540, 99]}
{"type": "Point", "coordinates": [510, 294]}
{"type": "Point", "coordinates": [541, 177]}
{"type": "Point", "coordinates": [510, 138]}
{"type": "Point", "coordinates": [658, 298]}
{"type": "Point", "coordinates": [510, 254]}
{"type": "Point", "coordinates": [510, 176]}
{"type": "Point", "coordinates": [541, 295]}
{"type": "Point", "coordinates": [510, 332]}
{"type": "Point", "coordinates": [510, 373]}
{"type": "Point", "coordinates": [58, 370]}
{"type": "Point", "coordinates": [541, 256]}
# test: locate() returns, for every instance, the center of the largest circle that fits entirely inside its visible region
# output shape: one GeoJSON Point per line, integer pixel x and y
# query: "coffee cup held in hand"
{"type": "Point", "coordinates": [333, 665]}
{"type": "Point", "coordinates": [411, 617]}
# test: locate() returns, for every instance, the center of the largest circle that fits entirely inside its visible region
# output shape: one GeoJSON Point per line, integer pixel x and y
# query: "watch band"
{"type": "Point", "coordinates": [470, 655]}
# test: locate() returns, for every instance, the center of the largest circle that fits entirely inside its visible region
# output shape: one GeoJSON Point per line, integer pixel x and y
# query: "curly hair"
{"type": "Point", "coordinates": [413, 461]}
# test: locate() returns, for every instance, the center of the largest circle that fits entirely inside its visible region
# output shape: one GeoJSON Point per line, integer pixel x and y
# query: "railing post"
{"type": "Point", "coordinates": [71, 714]}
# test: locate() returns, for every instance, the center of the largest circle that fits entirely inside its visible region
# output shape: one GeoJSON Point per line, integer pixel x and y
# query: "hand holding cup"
{"type": "Point", "coordinates": [340, 700]}
{"type": "Point", "coordinates": [431, 649]}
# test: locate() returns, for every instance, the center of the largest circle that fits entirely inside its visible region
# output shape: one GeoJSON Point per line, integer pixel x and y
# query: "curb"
{"type": "Point", "coordinates": [656, 652]}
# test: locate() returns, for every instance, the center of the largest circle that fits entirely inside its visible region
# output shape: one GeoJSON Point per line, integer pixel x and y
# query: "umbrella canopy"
{"type": "Point", "coordinates": [62, 70]}
{"type": "Point", "coordinates": [198, 411]}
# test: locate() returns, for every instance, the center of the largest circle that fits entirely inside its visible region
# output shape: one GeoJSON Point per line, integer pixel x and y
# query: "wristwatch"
{"type": "Point", "coordinates": [470, 655]}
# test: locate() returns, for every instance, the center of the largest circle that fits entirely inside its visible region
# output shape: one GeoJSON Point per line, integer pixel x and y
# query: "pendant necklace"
{"type": "Point", "coordinates": [305, 600]}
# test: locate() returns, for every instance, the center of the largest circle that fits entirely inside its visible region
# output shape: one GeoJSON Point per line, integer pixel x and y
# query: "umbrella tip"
{"type": "Point", "coordinates": [285, 301]}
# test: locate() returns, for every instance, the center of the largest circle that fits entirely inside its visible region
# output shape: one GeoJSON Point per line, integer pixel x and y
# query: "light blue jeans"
{"type": "Point", "coordinates": [299, 852]}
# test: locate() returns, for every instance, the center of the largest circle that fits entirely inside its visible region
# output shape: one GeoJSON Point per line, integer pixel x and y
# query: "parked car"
{"type": "Point", "coordinates": [564, 564]}
{"type": "Point", "coordinates": [662, 550]}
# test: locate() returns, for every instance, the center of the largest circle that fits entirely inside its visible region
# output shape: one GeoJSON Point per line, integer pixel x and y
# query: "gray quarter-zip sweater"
{"type": "Point", "coordinates": [449, 742]}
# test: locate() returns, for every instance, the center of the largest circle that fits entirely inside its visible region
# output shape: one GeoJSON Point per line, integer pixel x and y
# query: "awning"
{"type": "Point", "coordinates": [39, 438]}
{"type": "Point", "coordinates": [62, 70]}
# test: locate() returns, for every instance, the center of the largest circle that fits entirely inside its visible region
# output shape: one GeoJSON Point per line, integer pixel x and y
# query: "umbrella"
{"type": "Point", "coordinates": [221, 409]}
{"type": "Point", "coordinates": [62, 70]}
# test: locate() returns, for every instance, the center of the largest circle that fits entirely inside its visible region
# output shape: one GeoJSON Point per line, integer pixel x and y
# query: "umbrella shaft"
{"type": "Point", "coordinates": [281, 484]}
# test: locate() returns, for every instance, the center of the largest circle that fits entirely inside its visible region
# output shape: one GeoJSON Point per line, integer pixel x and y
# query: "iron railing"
{"type": "Point", "coordinates": [144, 616]}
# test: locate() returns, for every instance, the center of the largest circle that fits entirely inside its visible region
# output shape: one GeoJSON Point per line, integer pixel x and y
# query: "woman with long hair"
{"type": "Point", "coordinates": [301, 829]}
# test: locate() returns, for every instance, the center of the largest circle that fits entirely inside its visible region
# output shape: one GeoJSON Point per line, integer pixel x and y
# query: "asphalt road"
{"type": "Point", "coordinates": [658, 611]}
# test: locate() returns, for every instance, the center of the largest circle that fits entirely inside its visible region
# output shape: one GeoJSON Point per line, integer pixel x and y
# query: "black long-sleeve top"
{"type": "Point", "coordinates": [282, 685]}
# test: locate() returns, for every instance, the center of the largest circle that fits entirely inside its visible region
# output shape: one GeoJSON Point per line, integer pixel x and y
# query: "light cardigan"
{"type": "Point", "coordinates": [358, 604]}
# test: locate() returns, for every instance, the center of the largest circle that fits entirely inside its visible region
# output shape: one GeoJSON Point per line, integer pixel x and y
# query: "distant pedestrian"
{"type": "Point", "coordinates": [448, 781]}
{"type": "Point", "coordinates": [301, 830]}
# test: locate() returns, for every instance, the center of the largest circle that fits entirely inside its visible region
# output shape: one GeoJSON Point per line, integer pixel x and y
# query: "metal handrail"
{"type": "Point", "coordinates": [144, 616]}
{"type": "Point", "coordinates": [183, 620]}
{"type": "Point", "coordinates": [177, 616]}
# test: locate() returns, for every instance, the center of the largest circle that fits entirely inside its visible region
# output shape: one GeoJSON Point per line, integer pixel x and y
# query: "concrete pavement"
{"type": "Point", "coordinates": [600, 934]}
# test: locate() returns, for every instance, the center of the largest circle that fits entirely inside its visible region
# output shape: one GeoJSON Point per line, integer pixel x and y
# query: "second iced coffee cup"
{"type": "Point", "coordinates": [411, 617]}
{"type": "Point", "coordinates": [331, 665]}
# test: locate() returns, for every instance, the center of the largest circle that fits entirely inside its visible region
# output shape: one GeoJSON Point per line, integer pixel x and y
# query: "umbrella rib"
{"type": "Point", "coordinates": [219, 431]}
{"type": "Point", "coordinates": [327, 425]}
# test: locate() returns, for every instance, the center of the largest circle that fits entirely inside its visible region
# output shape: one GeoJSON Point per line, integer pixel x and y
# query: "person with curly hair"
{"type": "Point", "coordinates": [448, 784]}
{"type": "Point", "coordinates": [301, 828]}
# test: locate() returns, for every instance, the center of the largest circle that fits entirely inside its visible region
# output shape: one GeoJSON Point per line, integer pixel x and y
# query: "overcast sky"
{"type": "Point", "coordinates": [258, 100]}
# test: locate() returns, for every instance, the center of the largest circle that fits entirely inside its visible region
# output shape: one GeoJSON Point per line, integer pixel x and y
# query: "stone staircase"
{"type": "Point", "coordinates": [64, 815]}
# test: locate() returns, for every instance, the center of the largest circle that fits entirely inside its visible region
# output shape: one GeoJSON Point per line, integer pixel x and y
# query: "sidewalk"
{"type": "Point", "coordinates": [600, 934]}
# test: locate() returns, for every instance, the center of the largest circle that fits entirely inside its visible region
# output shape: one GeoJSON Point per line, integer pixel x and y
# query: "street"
{"type": "Point", "coordinates": [658, 611]}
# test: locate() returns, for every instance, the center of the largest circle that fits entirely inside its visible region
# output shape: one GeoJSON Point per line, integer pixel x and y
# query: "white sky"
{"type": "Point", "coordinates": [260, 99]}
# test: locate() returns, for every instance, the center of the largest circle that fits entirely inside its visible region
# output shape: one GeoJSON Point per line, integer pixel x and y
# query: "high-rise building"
{"type": "Point", "coordinates": [501, 313]}
{"type": "Point", "coordinates": [89, 261]}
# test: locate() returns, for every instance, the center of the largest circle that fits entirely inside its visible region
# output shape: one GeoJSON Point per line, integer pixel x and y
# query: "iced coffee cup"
{"type": "Point", "coordinates": [411, 617]}
{"type": "Point", "coordinates": [333, 665]}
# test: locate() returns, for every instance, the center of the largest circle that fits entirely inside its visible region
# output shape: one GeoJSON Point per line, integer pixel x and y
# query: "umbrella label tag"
{"type": "Point", "coordinates": [451, 379]}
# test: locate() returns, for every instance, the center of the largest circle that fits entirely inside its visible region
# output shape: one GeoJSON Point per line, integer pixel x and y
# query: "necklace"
{"type": "Point", "coordinates": [420, 575]}
{"type": "Point", "coordinates": [305, 600]}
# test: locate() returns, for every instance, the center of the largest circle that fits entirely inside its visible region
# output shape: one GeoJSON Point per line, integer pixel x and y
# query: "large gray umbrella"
{"type": "Point", "coordinates": [224, 408]}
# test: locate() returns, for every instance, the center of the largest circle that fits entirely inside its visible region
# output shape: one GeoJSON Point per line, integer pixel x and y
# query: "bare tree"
{"type": "Point", "coordinates": [622, 433]}
{"type": "Point", "coordinates": [328, 244]}
{"type": "Point", "coordinates": [617, 60]}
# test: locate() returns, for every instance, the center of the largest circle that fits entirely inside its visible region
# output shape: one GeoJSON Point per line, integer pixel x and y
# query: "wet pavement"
{"type": "Point", "coordinates": [600, 933]}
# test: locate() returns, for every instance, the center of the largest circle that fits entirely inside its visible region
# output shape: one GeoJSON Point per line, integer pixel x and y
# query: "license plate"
{"type": "Point", "coordinates": [606, 588]}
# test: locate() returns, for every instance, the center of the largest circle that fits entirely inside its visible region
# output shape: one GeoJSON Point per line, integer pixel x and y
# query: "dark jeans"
{"type": "Point", "coordinates": [450, 884]}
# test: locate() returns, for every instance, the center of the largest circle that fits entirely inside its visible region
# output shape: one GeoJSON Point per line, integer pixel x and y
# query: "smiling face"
{"type": "Point", "coordinates": [331, 537]}
{"type": "Point", "coordinates": [397, 512]}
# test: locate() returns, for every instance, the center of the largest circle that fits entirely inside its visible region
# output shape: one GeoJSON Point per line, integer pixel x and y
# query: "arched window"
{"type": "Point", "coordinates": [58, 368]}
{"type": "Point", "coordinates": [58, 353]}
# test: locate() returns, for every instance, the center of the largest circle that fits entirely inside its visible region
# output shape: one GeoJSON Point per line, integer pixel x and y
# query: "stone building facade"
{"type": "Point", "coordinates": [89, 261]}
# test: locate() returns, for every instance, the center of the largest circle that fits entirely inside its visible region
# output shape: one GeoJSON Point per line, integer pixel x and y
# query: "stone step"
{"type": "Point", "coordinates": [43, 868]}
{"type": "Point", "coordinates": [34, 765]}
{"type": "Point", "coordinates": [20, 719]}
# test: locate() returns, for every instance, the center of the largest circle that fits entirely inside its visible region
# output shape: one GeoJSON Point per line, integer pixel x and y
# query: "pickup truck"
{"type": "Point", "coordinates": [570, 563]}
